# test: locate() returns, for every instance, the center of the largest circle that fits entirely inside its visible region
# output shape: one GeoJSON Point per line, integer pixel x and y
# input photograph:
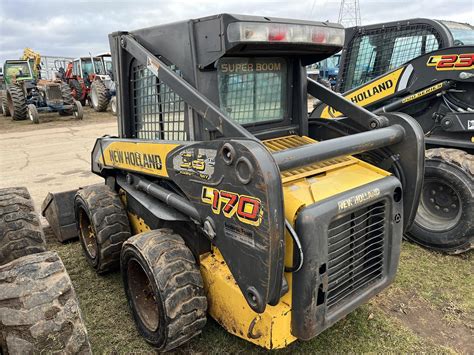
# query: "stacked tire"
{"type": "Point", "coordinates": [39, 311]}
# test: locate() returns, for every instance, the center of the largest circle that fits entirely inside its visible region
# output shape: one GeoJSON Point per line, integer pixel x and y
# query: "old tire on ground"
{"type": "Point", "coordinates": [445, 216]}
{"type": "Point", "coordinates": [76, 89]}
{"type": "Point", "coordinates": [164, 288]}
{"type": "Point", "coordinates": [2, 94]}
{"type": "Point", "coordinates": [68, 99]}
{"type": "Point", "coordinates": [39, 310]}
{"type": "Point", "coordinates": [20, 229]}
{"type": "Point", "coordinates": [33, 114]}
{"type": "Point", "coordinates": [98, 96]}
{"type": "Point", "coordinates": [16, 102]}
{"type": "Point", "coordinates": [103, 226]}
{"type": "Point", "coordinates": [4, 103]}
{"type": "Point", "coordinates": [113, 105]}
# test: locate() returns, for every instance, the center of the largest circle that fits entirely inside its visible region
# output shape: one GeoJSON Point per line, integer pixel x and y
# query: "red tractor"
{"type": "Point", "coordinates": [90, 79]}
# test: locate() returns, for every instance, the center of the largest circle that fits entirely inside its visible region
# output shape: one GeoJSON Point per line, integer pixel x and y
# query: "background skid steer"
{"type": "Point", "coordinates": [424, 68]}
{"type": "Point", "coordinates": [233, 205]}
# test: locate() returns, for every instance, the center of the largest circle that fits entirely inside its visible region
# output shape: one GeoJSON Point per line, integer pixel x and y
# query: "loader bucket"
{"type": "Point", "coordinates": [58, 208]}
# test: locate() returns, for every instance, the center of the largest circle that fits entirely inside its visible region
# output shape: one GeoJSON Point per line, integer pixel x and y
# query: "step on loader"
{"type": "Point", "coordinates": [221, 197]}
{"type": "Point", "coordinates": [424, 68]}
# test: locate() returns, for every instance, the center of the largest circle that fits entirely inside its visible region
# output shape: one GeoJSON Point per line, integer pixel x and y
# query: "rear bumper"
{"type": "Point", "coordinates": [351, 252]}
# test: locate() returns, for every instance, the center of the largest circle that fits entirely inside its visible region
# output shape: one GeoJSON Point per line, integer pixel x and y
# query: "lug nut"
{"type": "Point", "coordinates": [432, 200]}
{"type": "Point", "coordinates": [437, 207]}
{"type": "Point", "coordinates": [453, 205]}
{"type": "Point", "coordinates": [445, 210]}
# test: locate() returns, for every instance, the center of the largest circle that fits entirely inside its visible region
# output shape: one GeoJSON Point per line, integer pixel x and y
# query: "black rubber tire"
{"type": "Point", "coordinates": [102, 209]}
{"type": "Point", "coordinates": [113, 105]}
{"type": "Point", "coordinates": [20, 229]}
{"type": "Point", "coordinates": [76, 86]}
{"type": "Point", "coordinates": [68, 99]}
{"type": "Point", "coordinates": [2, 94]}
{"type": "Point", "coordinates": [98, 88]}
{"type": "Point", "coordinates": [6, 111]}
{"type": "Point", "coordinates": [39, 310]}
{"type": "Point", "coordinates": [161, 259]}
{"type": "Point", "coordinates": [16, 102]}
{"type": "Point", "coordinates": [453, 169]}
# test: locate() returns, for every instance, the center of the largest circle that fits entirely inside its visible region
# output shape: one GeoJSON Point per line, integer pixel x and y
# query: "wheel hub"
{"type": "Point", "coordinates": [88, 235]}
{"type": "Point", "coordinates": [143, 295]}
{"type": "Point", "coordinates": [440, 206]}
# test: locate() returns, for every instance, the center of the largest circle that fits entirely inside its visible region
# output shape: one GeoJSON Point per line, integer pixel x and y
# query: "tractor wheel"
{"type": "Point", "coordinates": [2, 94]}
{"type": "Point", "coordinates": [103, 226]}
{"type": "Point", "coordinates": [78, 112]}
{"type": "Point", "coordinates": [16, 102]}
{"type": "Point", "coordinates": [113, 105]}
{"type": "Point", "coordinates": [33, 114]}
{"type": "Point", "coordinates": [20, 229]}
{"type": "Point", "coordinates": [39, 310]}
{"type": "Point", "coordinates": [76, 89]}
{"type": "Point", "coordinates": [164, 288]}
{"type": "Point", "coordinates": [98, 96]}
{"type": "Point", "coordinates": [4, 103]}
{"type": "Point", "coordinates": [68, 99]}
{"type": "Point", "coordinates": [445, 216]}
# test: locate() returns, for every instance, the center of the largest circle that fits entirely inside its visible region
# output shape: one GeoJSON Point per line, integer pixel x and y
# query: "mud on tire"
{"type": "Point", "coordinates": [20, 229]}
{"type": "Point", "coordinates": [103, 226]}
{"type": "Point", "coordinates": [39, 311]}
{"type": "Point", "coordinates": [164, 288]}
{"type": "Point", "coordinates": [16, 102]}
{"type": "Point", "coordinates": [445, 217]}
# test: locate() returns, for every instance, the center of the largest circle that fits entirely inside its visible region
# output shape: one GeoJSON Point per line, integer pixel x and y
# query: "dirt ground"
{"type": "Point", "coordinates": [429, 308]}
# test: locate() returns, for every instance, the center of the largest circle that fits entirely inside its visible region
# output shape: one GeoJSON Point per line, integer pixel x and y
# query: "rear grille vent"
{"type": "Point", "coordinates": [356, 252]}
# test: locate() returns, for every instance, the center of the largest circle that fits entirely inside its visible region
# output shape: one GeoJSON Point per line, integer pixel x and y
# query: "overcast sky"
{"type": "Point", "coordinates": [75, 28]}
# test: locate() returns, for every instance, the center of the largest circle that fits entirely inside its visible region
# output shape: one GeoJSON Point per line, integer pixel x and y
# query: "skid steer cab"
{"type": "Point", "coordinates": [222, 197]}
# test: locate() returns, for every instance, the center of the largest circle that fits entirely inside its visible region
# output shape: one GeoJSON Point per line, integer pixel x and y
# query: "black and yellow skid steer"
{"type": "Point", "coordinates": [424, 68]}
{"type": "Point", "coordinates": [221, 198]}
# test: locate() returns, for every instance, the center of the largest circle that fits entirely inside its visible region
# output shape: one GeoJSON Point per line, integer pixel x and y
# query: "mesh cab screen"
{"type": "Point", "coordinates": [253, 90]}
{"type": "Point", "coordinates": [378, 51]}
{"type": "Point", "coordinates": [158, 112]}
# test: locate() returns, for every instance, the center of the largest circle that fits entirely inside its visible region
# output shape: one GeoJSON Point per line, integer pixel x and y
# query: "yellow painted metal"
{"type": "Point", "coordinates": [143, 157]}
{"type": "Point", "coordinates": [301, 187]}
{"type": "Point", "coordinates": [227, 305]}
{"type": "Point", "coordinates": [370, 92]}
{"type": "Point", "coordinates": [29, 54]}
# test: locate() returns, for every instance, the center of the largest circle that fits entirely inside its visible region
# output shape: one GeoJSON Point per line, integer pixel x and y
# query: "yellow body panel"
{"type": "Point", "coordinates": [143, 157]}
{"type": "Point", "coordinates": [301, 187]}
{"type": "Point", "coordinates": [370, 92]}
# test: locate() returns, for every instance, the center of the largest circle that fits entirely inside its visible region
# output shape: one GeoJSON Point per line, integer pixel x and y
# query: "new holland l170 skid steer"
{"type": "Point", "coordinates": [424, 68]}
{"type": "Point", "coordinates": [220, 198]}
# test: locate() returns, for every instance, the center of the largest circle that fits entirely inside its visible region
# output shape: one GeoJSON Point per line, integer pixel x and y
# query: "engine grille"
{"type": "Point", "coordinates": [355, 252]}
{"type": "Point", "coordinates": [54, 93]}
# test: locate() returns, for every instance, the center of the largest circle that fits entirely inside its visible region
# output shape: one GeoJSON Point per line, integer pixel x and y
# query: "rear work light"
{"type": "Point", "coordinates": [284, 33]}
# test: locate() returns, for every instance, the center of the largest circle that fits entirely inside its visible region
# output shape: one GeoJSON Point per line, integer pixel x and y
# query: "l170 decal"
{"type": "Point", "coordinates": [248, 209]}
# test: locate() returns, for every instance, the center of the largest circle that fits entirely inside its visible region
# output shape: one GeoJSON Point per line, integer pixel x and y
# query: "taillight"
{"type": "Point", "coordinates": [289, 33]}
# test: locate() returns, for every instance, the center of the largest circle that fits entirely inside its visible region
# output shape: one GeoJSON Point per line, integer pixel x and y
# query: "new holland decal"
{"type": "Point", "coordinates": [452, 61]}
{"type": "Point", "coordinates": [369, 93]}
{"type": "Point", "coordinates": [148, 158]}
{"type": "Point", "coordinates": [248, 209]}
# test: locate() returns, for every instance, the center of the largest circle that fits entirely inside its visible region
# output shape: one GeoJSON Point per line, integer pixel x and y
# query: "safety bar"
{"type": "Point", "coordinates": [337, 147]}
{"type": "Point", "coordinates": [357, 113]}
